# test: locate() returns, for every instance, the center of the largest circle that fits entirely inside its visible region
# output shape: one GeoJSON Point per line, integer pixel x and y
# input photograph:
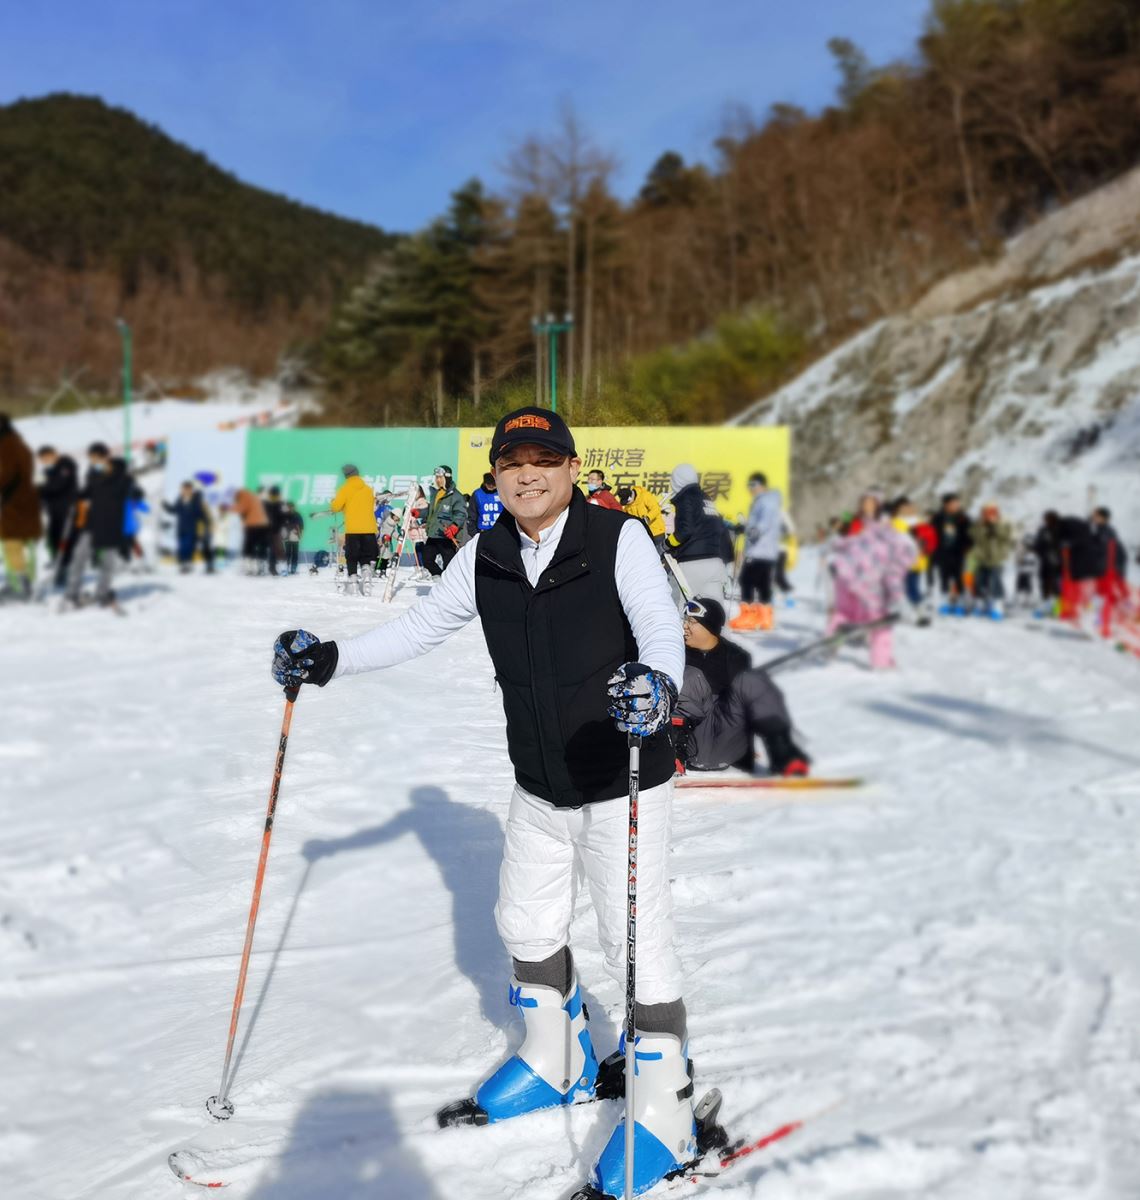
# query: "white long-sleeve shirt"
{"type": "Point", "coordinates": [641, 585]}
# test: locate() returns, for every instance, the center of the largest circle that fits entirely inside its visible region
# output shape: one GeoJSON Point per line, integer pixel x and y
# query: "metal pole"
{"type": "Point", "coordinates": [219, 1107]}
{"type": "Point", "coordinates": [631, 961]}
{"type": "Point", "coordinates": [125, 335]}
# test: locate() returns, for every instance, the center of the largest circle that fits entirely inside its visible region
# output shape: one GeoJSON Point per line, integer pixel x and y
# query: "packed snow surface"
{"type": "Point", "coordinates": [940, 969]}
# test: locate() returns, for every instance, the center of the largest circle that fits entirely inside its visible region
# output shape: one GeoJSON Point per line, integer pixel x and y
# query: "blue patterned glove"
{"type": "Point", "coordinates": [641, 699]}
{"type": "Point", "coordinates": [301, 657]}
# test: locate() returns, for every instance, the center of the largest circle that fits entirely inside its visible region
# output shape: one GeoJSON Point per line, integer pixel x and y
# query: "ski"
{"type": "Point", "coordinates": [188, 1167]}
{"type": "Point", "coordinates": [718, 1154]}
{"type": "Point", "coordinates": [394, 562]}
{"type": "Point", "coordinates": [678, 574]}
{"type": "Point", "coordinates": [831, 642]}
{"type": "Point", "coordinates": [794, 783]}
{"type": "Point", "coordinates": [734, 1153]}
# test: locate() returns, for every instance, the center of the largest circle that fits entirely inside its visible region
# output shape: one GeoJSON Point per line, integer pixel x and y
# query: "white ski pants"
{"type": "Point", "coordinates": [538, 883]}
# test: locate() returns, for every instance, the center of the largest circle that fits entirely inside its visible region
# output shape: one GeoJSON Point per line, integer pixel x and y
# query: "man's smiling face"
{"type": "Point", "coordinates": [535, 484]}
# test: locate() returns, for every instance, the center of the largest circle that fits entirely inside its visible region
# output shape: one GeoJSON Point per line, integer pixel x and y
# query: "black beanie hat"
{"type": "Point", "coordinates": [712, 618]}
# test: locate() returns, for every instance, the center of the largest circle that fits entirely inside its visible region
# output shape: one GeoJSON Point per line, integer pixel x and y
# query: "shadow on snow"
{"type": "Point", "coordinates": [346, 1144]}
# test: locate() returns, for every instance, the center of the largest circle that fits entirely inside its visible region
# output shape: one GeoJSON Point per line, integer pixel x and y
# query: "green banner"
{"type": "Point", "coordinates": [306, 464]}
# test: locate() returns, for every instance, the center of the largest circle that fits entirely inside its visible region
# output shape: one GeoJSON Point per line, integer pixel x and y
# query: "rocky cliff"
{"type": "Point", "coordinates": [1017, 382]}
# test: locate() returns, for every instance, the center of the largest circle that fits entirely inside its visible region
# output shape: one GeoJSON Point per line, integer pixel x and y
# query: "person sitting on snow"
{"type": "Point", "coordinates": [725, 702]}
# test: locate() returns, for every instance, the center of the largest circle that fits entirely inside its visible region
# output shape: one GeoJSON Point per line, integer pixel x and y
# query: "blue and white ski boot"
{"type": "Point", "coordinates": [555, 1065]}
{"type": "Point", "coordinates": [665, 1137]}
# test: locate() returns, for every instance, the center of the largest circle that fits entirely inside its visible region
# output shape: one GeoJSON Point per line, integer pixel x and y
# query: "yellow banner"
{"type": "Point", "coordinates": [724, 457]}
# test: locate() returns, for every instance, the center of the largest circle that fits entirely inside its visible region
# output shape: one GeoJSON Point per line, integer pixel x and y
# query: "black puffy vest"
{"type": "Point", "coordinates": [554, 646]}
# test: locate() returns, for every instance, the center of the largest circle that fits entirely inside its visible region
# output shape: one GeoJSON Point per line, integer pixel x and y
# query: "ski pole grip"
{"type": "Point", "coordinates": [291, 693]}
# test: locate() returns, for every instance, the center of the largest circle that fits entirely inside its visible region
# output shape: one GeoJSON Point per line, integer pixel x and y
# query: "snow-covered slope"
{"type": "Point", "coordinates": [1018, 382]}
{"type": "Point", "coordinates": [947, 956]}
{"type": "Point", "coordinates": [231, 401]}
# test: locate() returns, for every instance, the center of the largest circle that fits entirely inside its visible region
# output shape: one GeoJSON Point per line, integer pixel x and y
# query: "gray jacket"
{"type": "Point", "coordinates": [447, 507]}
{"type": "Point", "coordinates": [762, 530]}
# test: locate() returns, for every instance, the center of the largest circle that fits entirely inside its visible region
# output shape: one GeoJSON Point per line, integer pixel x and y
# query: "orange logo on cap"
{"type": "Point", "coordinates": [527, 421]}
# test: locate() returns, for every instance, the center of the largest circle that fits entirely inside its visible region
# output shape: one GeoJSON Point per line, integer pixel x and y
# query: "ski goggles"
{"type": "Point", "coordinates": [694, 610]}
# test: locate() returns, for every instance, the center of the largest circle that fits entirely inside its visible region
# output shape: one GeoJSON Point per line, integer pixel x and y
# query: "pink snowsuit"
{"type": "Point", "coordinates": [869, 569]}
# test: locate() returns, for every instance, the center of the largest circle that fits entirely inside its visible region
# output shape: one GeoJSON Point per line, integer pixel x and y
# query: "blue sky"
{"type": "Point", "coordinates": [378, 109]}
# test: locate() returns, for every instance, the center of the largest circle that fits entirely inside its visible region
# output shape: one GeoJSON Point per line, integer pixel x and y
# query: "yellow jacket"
{"type": "Point", "coordinates": [356, 500]}
{"type": "Point", "coordinates": [644, 505]}
{"type": "Point", "coordinates": [921, 562]}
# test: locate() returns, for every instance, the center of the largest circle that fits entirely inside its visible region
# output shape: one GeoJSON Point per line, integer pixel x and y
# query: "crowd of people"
{"type": "Point", "coordinates": [88, 522]}
{"type": "Point", "coordinates": [885, 558]}
{"type": "Point", "coordinates": [965, 561]}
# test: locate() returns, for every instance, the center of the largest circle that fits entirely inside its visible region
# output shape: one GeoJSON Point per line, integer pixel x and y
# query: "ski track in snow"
{"type": "Point", "coordinates": [946, 956]}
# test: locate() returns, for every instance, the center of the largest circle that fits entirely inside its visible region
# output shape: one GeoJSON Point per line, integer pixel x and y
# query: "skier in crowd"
{"type": "Point", "coordinates": [255, 529]}
{"type": "Point", "coordinates": [725, 703]}
{"type": "Point", "coordinates": [137, 508]}
{"type": "Point", "coordinates": [761, 552]}
{"type": "Point", "coordinates": [275, 510]}
{"type": "Point", "coordinates": [485, 506]}
{"type": "Point", "coordinates": [952, 528]}
{"type": "Point", "coordinates": [869, 511]}
{"type": "Point", "coordinates": [868, 569]}
{"type": "Point", "coordinates": [292, 529]}
{"type": "Point", "coordinates": [20, 521]}
{"type": "Point", "coordinates": [103, 509]}
{"type": "Point", "coordinates": [641, 503]}
{"type": "Point", "coordinates": [446, 516]}
{"type": "Point", "coordinates": [188, 515]}
{"type": "Point", "coordinates": [417, 534]}
{"type": "Point", "coordinates": [1110, 559]}
{"type": "Point", "coordinates": [700, 542]}
{"type": "Point", "coordinates": [789, 551]}
{"type": "Point", "coordinates": [599, 491]}
{"type": "Point", "coordinates": [389, 534]}
{"type": "Point", "coordinates": [58, 493]}
{"type": "Point", "coordinates": [361, 544]}
{"type": "Point", "coordinates": [906, 520]}
{"type": "Point", "coordinates": [206, 534]}
{"type": "Point", "coordinates": [1026, 568]}
{"type": "Point", "coordinates": [991, 541]}
{"type": "Point", "coordinates": [587, 647]}
{"type": "Point", "coordinates": [1047, 547]}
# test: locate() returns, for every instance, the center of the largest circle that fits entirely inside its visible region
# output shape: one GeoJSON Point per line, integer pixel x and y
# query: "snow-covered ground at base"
{"type": "Point", "coordinates": [945, 960]}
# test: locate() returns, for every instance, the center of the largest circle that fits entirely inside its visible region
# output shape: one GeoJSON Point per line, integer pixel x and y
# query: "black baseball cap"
{"type": "Point", "coordinates": [532, 426]}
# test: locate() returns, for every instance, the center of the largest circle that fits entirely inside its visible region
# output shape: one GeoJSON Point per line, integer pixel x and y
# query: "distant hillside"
{"type": "Point", "coordinates": [1017, 381]}
{"type": "Point", "coordinates": [103, 215]}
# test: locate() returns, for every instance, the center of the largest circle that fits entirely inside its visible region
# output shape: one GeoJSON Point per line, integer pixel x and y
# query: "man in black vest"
{"type": "Point", "coordinates": [587, 645]}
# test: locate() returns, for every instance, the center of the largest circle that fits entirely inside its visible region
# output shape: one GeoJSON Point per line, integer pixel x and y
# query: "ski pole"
{"type": "Point", "coordinates": [631, 960]}
{"type": "Point", "coordinates": [219, 1107]}
{"type": "Point", "coordinates": [826, 643]}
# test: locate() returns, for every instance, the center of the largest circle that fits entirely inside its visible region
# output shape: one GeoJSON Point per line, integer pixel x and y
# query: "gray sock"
{"type": "Point", "coordinates": [553, 972]}
{"type": "Point", "coordinates": [669, 1017]}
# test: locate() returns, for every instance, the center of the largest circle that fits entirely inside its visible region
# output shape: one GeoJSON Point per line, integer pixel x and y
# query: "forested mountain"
{"type": "Point", "coordinates": [707, 289]}
{"type": "Point", "coordinates": [102, 215]}
{"type": "Point", "coordinates": [715, 280]}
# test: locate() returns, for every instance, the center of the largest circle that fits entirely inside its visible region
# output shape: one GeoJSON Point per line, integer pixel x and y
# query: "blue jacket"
{"type": "Point", "coordinates": [187, 514]}
{"type": "Point", "coordinates": [762, 530]}
{"type": "Point", "coordinates": [133, 515]}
